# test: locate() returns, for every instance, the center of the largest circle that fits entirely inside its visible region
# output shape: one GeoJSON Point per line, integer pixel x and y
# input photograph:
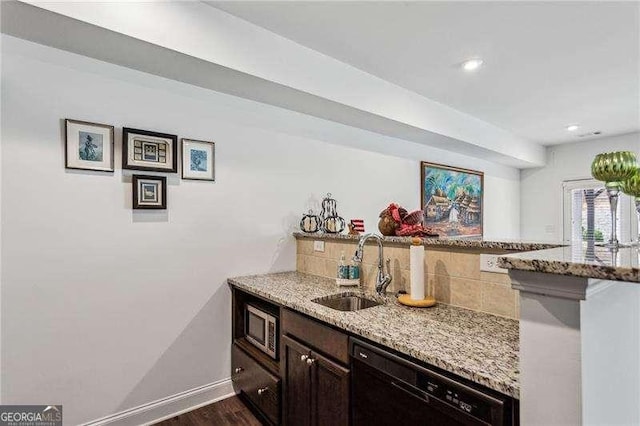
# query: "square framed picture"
{"type": "Point", "coordinates": [149, 192]}
{"type": "Point", "coordinates": [198, 159]}
{"type": "Point", "coordinates": [452, 200]}
{"type": "Point", "coordinates": [146, 150]}
{"type": "Point", "coordinates": [88, 146]}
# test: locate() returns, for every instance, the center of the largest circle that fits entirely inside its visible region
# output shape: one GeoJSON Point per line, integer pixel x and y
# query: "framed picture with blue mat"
{"type": "Point", "coordinates": [198, 160]}
{"type": "Point", "coordinates": [149, 192]}
{"type": "Point", "coordinates": [88, 146]}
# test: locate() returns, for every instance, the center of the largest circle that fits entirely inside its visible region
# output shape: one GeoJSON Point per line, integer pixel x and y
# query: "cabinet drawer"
{"type": "Point", "coordinates": [260, 386]}
{"type": "Point", "coordinates": [321, 337]}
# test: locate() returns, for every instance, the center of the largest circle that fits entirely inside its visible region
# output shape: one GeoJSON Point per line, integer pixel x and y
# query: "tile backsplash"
{"type": "Point", "coordinates": [452, 276]}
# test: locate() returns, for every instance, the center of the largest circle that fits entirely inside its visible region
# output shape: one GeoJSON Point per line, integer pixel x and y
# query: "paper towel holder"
{"type": "Point", "coordinates": [417, 268]}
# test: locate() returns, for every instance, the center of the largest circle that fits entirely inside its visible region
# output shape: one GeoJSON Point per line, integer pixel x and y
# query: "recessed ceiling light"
{"type": "Point", "coordinates": [572, 127]}
{"type": "Point", "coordinates": [472, 64]}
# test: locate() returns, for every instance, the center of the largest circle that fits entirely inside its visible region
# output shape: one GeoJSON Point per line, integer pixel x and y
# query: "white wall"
{"type": "Point", "coordinates": [610, 323]}
{"type": "Point", "coordinates": [541, 189]}
{"type": "Point", "coordinates": [104, 308]}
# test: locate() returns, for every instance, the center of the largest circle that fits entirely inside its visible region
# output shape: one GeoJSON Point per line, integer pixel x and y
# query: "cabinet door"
{"type": "Point", "coordinates": [257, 384]}
{"type": "Point", "coordinates": [297, 383]}
{"type": "Point", "coordinates": [330, 392]}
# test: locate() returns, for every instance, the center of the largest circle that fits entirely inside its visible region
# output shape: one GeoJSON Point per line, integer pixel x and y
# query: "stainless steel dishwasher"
{"type": "Point", "coordinates": [390, 390]}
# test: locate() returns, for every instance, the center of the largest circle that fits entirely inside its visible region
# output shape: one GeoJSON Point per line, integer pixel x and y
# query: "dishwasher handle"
{"type": "Point", "coordinates": [406, 388]}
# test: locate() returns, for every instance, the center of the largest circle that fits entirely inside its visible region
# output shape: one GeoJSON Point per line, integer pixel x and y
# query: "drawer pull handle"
{"type": "Point", "coordinates": [304, 357]}
{"type": "Point", "coordinates": [238, 370]}
{"type": "Point", "coordinates": [262, 390]}
{"type": "Point", "coordinates": [310, 361]}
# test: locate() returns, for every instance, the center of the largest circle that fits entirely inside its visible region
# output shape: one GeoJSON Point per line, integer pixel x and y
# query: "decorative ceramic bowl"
{"type": "Point", "coordinates": [614, 167]}
{"type": "Point", "coordinates": [387, 226]}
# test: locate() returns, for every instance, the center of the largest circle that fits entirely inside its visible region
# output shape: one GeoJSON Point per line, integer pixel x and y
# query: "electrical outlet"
{"type": "Point", "coordinates": [318, 246]}
{"type": "Point", "coordinates": [489, 263]}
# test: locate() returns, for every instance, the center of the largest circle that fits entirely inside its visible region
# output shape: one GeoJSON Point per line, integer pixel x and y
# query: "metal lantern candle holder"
{"type": "Point", "coordinates": [310, 223]}
{"type": "Point", "coordinates": [613, 168]}
{"type": "Point", "coordinates": [631, 187]}
{"type": "Point", "coordinates": [330, 222]}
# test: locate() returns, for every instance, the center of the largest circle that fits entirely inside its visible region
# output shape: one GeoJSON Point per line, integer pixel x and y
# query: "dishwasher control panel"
{"type": "Point", "coordinates": [455, 396]}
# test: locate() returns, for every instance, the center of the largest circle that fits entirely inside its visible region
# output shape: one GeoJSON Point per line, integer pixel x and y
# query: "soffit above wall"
{"type": "Point", "coordinates": [117, 33]}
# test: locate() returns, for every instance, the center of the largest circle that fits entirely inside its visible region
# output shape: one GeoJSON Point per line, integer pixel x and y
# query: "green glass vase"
{"type": "Point", "coordinates": [613, 168]}
{"type": "Point", "coordinates": [631, 187]}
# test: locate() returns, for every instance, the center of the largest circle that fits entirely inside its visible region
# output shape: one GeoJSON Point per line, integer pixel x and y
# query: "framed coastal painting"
{"type": "Point", "coordinates": [149, 192]}
{"type": "Point", "coordinates": [198, 160]}
{"type": "Point", "coordinates": [452, 200]}
{"type": "Point", "coordinates": [146, 150]}
{"type": "Point", "coordinates": [88, 146]}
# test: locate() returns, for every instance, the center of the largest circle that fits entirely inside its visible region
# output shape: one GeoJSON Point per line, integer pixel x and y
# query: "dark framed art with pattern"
{"type": "Point", "coordinates": [146, 150]}
{"type": "Point", "coordinates": [88, 146]}
{"type": "Point", "coordinates": [149, 192]}
{"type": "Point", "coordinates": [198, 160]}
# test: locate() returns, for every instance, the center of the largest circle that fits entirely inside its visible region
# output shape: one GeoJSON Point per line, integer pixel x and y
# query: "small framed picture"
{"type": "Point", "coordinates": [198, 159]}
{"type": "Point", "coordinates": [88, 146]}
{"type": "Point", "coordinates": [149, 192]}
{"type": "Point", "coordinates": [145, 150]}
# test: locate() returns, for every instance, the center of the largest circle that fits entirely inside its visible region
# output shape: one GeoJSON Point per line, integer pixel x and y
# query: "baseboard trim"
{"type": "Point", "coordinates": [168, 407]}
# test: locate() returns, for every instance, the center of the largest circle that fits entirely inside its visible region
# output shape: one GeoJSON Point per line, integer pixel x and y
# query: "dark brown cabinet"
{"type": "Point", "coordinates": [259, 386]}
{"type": "Point", "coordinates": [308, 385]}
{"type": "Point", "coordinates": [255, 375]}
{"type": "Point", "coordinates": [323, 377]}
{"type": "Point", "coordinates": [316, 388]}
{"type": "Point", "coordinates": [330, 383]}
{"type": "Point", "coordinates": [297, 377]}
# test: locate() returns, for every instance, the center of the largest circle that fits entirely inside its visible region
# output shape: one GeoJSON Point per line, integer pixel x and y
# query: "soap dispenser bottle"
{"type": "Point", "coordinates": [354, 270]}
{"type": "Point", "coordinates": [343, 268]}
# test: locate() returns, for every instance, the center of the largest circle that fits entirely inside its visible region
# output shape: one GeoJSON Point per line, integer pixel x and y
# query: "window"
{"type": "Point", "coordinates": [587, 213]}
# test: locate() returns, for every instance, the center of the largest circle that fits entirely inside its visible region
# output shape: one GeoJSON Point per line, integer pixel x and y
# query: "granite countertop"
{"type": "Point", "coordinates": [463, 243]}
{"type": "Point", "coordinates": [477, 346]}
{"type": "Point", "coordinates": [579, 260]}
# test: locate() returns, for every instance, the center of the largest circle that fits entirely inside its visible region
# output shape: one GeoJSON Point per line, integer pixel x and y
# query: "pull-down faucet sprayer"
{"type": "Point", "coordinates": [384, 278]}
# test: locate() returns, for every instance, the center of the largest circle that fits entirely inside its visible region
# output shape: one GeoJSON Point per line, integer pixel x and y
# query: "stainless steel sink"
{"type": "Point", "coordinates": [346, 302]}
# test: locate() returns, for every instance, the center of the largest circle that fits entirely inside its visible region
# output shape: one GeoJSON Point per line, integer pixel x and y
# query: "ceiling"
{"type": "Point", "coordinates": [546, 64]}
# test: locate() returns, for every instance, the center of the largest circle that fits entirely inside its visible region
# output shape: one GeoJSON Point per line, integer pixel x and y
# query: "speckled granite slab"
{"type": "Point", "coordinates": [477, 346]}
{"type": "Point", "coordinates": [463, 243]}
{"type": "Point", "coordinates": [579, 260]}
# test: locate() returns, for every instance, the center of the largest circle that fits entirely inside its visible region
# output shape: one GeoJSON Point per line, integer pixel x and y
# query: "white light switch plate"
{"type": "Point", "coordinates": [318, 246]}
{"type": "Point", "coordinates": [489, 263]}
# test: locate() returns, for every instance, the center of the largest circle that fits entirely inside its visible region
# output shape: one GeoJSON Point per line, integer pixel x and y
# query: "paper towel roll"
{"type": "Point", "coordinates": [416, 266]}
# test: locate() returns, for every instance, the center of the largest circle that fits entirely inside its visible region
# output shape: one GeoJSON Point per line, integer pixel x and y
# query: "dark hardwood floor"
{"type": "Point", "coordinates": [230, 411]}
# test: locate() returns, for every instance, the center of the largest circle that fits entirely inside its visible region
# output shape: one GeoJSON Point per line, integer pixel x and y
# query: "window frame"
{"type": "Point", "coordinates": [626, 218]}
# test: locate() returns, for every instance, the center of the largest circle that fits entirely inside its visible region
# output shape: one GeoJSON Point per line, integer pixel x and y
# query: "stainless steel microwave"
{"type": "Point", "coordinates": [261, 330]}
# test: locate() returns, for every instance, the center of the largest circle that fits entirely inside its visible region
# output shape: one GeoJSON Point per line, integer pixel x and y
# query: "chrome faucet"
{"type": "Point", "coordinates": [384, 279]}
